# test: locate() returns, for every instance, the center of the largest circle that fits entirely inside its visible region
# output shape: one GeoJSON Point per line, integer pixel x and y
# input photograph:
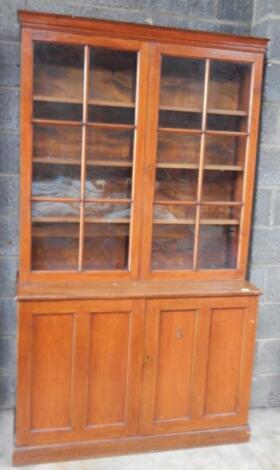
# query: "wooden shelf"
{"type": "Point", "coordinates": [69, 161]}
{"type": "Point", "coordinates": [223, 112]}
{"type": "Point", "coordinates": [192, 221]}
{"type": "Point", "coordinates": [227, 112]}
{"type": "Point", "coordinates": [65, 99]}
{"type": "Point", "coordinates": [179, 130]}
{"type": "Point", "coordinates": [86, 200]}
{"type": "Point", "coordinates": [110, 125]}
{"type": "Point", "coordinates": [224, 167]}
{"type": "Point", "coordinates": [183, 166]}
{"type": "Point", "coordinates": [60, 122]}
{"type": "Point", "coordinates": [226, 133]}
{"type": "Point", "coordinates": [193, 166]}
{"type": "Point", "coordinates": [72, 220]}
{"type": "Point", "coordinates": [196, 203]}
{"type": "Point", "coordinates": [56, 122]}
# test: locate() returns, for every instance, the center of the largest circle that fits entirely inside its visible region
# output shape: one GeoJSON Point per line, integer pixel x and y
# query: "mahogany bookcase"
{"type": "Point", "coordinates": [136, 324]}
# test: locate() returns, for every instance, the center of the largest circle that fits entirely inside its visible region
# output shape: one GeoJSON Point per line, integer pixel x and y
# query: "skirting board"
{"type": "Point", "coordinates": [122, 446]}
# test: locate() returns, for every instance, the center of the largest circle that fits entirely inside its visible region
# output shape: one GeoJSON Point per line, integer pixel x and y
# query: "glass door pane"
{"type": "Point", "coordinates": [58, 81]}
{"type": "Point", "coordinates": [55, 235]}
{"type": "Point", "coordinates": [177, 165]}
{"type": "Point", "coordinates": [218, 240]}
{"type": "Point", "coordinates": [57, 144]}
{"type": "Point", "coordinates": [229, 93]}
{"type": "Point", "coordinates": [201, 152]}
{"type": "Point", "coordinates": [108, 198]}
{"type": "Point", "coordinates": [83, 156]}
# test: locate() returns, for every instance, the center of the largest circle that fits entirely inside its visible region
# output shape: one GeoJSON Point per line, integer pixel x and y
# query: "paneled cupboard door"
{"type": "Point", "coordinates": [198, 181]}
{"type": "Point", "coordinates": [198, 359]}
{"type": "Point", "coordinates": [87, 106]}
{"type": "Point", "coordinates": [80, 375]}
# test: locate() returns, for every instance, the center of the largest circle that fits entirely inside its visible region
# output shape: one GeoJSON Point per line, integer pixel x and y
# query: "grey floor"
{"type": "Point", "coordinates": [261, 453]}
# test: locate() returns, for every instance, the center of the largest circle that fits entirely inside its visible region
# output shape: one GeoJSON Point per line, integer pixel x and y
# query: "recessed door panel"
{"type": "Point", "coordinates": [110, 335]}
{"type": "Point", "coordinates": [225, 352]}
{"type": "Point", "coordinates": [51, 371]}
{"type": "Point", "coordinates": [174, 361]}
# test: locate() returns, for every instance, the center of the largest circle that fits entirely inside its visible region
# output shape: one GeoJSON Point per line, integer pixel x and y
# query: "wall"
{"type": "Point", "coordinates": [233, 16]}
{"type": "Point", "coordinates": [265, 256]}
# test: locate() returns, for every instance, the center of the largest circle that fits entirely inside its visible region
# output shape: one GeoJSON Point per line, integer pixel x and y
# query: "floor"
{"type": "Point", "coordinates": [261, 453]}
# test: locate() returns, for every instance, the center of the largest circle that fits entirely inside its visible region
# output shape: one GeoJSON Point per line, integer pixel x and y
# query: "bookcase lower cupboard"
{"type": "Point", "coordinates": [107, 376]}
{"type": "Point", "coordinates": [136, 324]}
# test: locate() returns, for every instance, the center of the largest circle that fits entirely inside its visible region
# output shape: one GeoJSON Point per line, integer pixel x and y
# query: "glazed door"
{"type": "Point", "coordinates": [83, 131]}
{"type": "Point", "coordinates": [198, 358]}
{"type": "Point", "coordinates": [79, 370]}
{"type": "Point", "coordinates": [198, 175]}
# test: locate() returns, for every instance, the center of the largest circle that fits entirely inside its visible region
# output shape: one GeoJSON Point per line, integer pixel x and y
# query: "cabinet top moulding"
{"type": "Point", "coordinates": [140, 289]}
{"type": "Point", "coordinates": [77, 25]}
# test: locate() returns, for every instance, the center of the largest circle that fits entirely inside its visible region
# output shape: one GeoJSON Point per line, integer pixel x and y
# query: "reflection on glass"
{"type": "Point", "coordinates": [109, 145]}
{"type": "Point", "coordinates": [211, 214]}
{"type": "Point", "coordinates": [218, 246]}
{"type": "Point", "coordinates": [56, 144]}
{"type": "Point", "coordinates": [175, 185]}
{"type": "Point", "coordinates": [173, 119]}
{"type": "Point", "coordinates": [220, 122]}
{"type": "Point", "coordinates": [108, 183]}
{"type": "Point", "coordinates": [58, 71]}
{"type": "Point", "coordinates": [56, 180]}
{"type": "Point", "coordinates": [172, 213]}
{"type": "Point", "coordinates": [58, 111]}
{"type": "Point", "coordinates": [182, 82]}
{"type": "Point", "coordinates": [55, 246]}
{"type": "Point", "coordinates": [46, 210]}
{"type": "Point", "coordinates": [106, 246]}
{"type": "Point", "coordinates": [225, 150]}
{"type": "Point", "coordinates": [229, 86]}
{"type": "Point", "coordinates": [112, 75]}
{"type": "Point", "coordinates": [111, 115]}
{"type": "Point", "coordinates": [172, 247]}
{"type": "Point", "coordinates": [178, 148]}
{"type": "Point", "coordinates": [107, 211]}
{"type": "Point", "coordinates": [222, 186]}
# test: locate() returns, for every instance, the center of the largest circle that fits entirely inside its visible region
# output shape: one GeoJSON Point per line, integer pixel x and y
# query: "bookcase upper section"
{"type": "Point", "coordinates": [138, 150]}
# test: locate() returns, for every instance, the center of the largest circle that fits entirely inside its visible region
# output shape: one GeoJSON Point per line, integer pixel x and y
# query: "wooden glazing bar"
{"type": "Point", "coordinates": [201, 162]}
{"type": "Point", "coordinates": [246, 168]}
{"type": "Point", "coordinates": [83, 156]}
